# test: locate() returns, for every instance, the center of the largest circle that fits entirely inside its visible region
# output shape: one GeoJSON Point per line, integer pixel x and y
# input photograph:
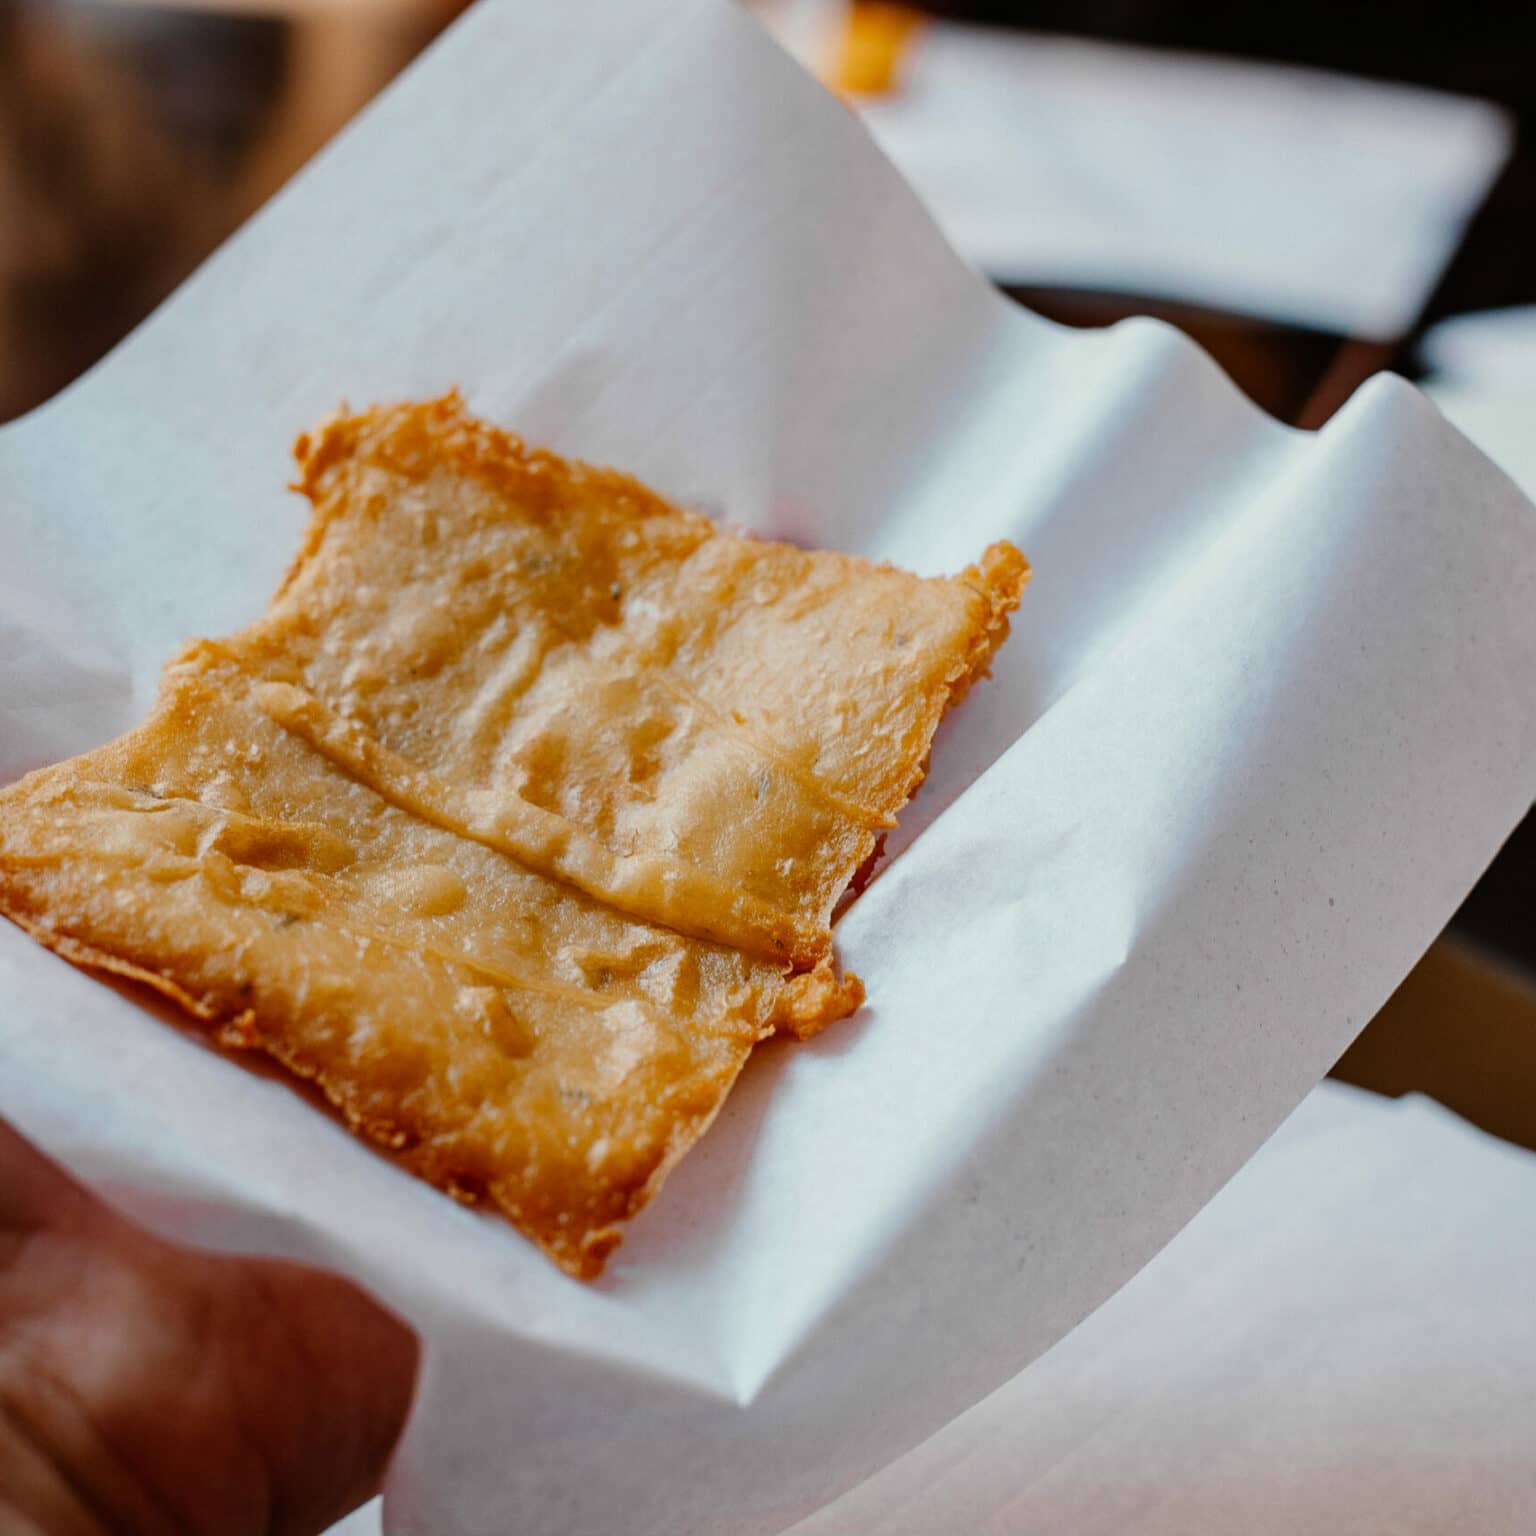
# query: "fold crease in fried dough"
{"type": "Point", "coordinates": [519, 817]}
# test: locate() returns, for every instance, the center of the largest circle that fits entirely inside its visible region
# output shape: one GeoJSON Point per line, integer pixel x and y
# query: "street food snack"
{"type": "Point", "coordinates": [518, 818]}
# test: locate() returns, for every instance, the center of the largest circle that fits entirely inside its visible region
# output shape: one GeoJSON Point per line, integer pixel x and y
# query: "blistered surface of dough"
{"type": "Point", "coordinates": [518, 818]}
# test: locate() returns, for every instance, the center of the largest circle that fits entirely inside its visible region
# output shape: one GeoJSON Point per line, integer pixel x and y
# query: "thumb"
{"type": "Point", "coordinates": [326, 1378]}
{"type": "Point", "coordinates": [228, 1394]}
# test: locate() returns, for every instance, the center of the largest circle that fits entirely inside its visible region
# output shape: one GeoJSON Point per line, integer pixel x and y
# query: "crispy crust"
{"type": "Point", "coordinates": [518, 818]}
{"type": "Point", "coordinates": [13, 905]}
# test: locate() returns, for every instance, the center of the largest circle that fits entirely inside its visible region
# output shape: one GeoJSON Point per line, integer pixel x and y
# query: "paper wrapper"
{"type": "Point", "coordinates": [1267, 712]}
{"type": "Point", "coordinates": [1319, 199]}
{"type": "Point", "coordinates": [1340, 1341]}
{"type": "Point", "coordinates": [1299, 1361]}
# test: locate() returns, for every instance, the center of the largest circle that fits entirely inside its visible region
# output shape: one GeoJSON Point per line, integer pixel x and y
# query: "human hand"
{"type": "Point", "coordinates": [147, 1388]}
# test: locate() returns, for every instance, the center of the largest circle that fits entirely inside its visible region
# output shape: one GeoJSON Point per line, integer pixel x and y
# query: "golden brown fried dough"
{"type": "Point", "coordinates": [518, 818]}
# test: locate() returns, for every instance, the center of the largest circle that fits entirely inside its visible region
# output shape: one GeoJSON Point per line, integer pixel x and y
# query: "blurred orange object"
{"type": "Point", "coordinates": [874, 41]}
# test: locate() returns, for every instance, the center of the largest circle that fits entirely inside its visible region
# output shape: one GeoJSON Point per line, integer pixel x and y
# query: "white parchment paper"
{"type": "Point", "coordinates": [1269, 709]}
{"type": "Point", "coordinates": [1340, 1341]}
{"type": "Point", "coordinates": [1300, 195]}
{"type": "Point", "coordinates": [1483, 379]}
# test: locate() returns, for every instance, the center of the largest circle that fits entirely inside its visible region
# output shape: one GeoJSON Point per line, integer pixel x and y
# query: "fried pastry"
{"type": "Point", "coordinates": [518, 818]}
